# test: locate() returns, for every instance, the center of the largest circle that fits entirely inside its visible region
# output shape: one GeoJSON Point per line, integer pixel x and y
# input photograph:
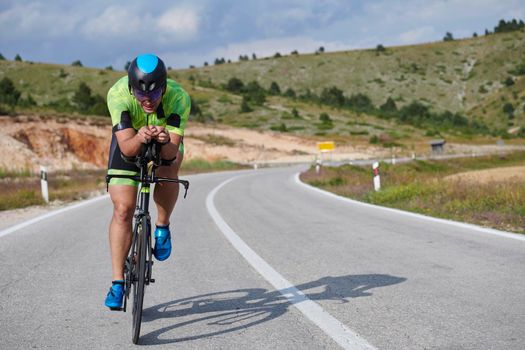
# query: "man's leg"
{"type": "Point", "coordinates": [165, 194]}
{"type": "Point", "coordinates": [124, 201]}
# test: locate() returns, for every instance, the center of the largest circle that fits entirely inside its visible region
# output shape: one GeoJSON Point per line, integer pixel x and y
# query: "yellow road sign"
{"type": "Point", "coordinates": [327, 146]}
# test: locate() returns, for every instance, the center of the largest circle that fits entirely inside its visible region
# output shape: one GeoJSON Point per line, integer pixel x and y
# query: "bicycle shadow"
{"type": "Point", "coordinates": [229, 311]}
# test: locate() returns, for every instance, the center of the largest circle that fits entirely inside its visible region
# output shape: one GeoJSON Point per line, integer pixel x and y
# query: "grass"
{"type": "Point", "coordinates": [421, 187]}
{"type": "Point", "coordinates": [20, 190]}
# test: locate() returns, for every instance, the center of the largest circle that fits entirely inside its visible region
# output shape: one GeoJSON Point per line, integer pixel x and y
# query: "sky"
{"type": "Point", "coordinates": [100, 33]}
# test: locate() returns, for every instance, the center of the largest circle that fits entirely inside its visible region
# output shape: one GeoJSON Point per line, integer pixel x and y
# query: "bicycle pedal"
{"type": "Point", "coordinates": [116, 309]}
{"type": "Point", "coordinates": [152, 280]}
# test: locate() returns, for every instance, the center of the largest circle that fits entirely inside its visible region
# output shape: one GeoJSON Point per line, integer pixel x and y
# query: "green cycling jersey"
{"type": "Point", "coordinates": [126, 112]}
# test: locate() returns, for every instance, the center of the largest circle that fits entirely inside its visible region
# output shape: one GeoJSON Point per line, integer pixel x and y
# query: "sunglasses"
{"type": "Point", "coordinates": [150, 95]}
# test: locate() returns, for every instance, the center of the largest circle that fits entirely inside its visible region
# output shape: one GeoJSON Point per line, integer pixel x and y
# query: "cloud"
{"type": "Point", "coordinates": [417, 35]}
{"type": "Point", "coordinates": [115, 21]}
{"type": "Point", "coordinates": [36, 21]}
{"type": "Point", "coordinates": [132, 24]}
{"type": "Point", "coordinates": [179, 22]}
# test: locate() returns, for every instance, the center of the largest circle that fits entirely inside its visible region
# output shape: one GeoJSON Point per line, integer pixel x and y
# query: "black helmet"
{"type": "Point", "coordinates": [146, 73]}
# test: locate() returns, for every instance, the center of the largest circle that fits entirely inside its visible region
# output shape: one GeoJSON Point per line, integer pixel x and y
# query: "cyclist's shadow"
{"type": "Point", "coordinates": [229, 311]}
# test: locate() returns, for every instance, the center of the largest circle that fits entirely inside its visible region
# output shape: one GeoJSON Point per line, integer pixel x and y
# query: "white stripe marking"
{"type": "Point", "coordinates": [475, 228]}
{"type": "Point", "coordinates": [343, 335]}
{"type": "Point", "coordinates": [48, 215]}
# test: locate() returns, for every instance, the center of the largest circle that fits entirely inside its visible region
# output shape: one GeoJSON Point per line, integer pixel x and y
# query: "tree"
{"type": "Point", "coordinates": [389, 106]}
{"type": "Point", "coordinates": [18, 58]}
{"type": "Point", "coordinates": [126, 66]}
{"type": "Point", "coordinates": [235, 85]}
{"type": "Point", "coordinates": [82, 97]}
{"type": "Point", "coordinates": [321, 49]}
{"type": "Point", "coordinates": [254, 57]}
{"type": "Point", "coordinates": [277, 55]}
{"type": "Point", "coordinates": [333, 96]}
{"type": "Point", "coordinates": [508, 109]}
{"type": "Point", "coordinates": [109, 68]}
{"type": "Point", "coordinates": [448, 37]}
{"type": "Point", "coordinates": [8, 93]}
{"type": "Point", "coordinates": [475, 35]}
{"type": "Point", "coordinates": [77, 63]}
{"type": "Point", "coordinates": [205, 64]}
{"type": "Point", "coordinates": [290, 93]}
{"type": "Point", "coordinates": [254, 93]}
{"type": "Point", "coordinates": [295, 52]}
{"type": "Point", "coordinates": [2, 58]}
{"type": "Point", "coordinates": [325, 118]}
{"type": "Point", "coordinates": [380, 48]}
{"type": "Point", "coordinates": [245, 108]}
{"type": "Point", "coordinates": [509, 81]}
{"type": "Point", "coordinates": [274, 89]}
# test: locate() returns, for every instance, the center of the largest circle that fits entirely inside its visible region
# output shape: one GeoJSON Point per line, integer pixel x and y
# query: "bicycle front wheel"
{"type": "Point", "coordinates": [139, 278]}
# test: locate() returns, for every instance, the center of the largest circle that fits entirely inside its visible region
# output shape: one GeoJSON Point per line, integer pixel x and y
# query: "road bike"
{"type": "Point", "coordinates": [139, 263]}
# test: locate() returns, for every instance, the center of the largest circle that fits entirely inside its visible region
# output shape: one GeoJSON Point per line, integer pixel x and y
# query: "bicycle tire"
{"type": "Point", "coordinates": [139, 278]}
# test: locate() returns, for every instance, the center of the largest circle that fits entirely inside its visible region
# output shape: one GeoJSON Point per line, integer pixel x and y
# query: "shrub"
{"type": "Point", "coordinates": [325, 118]}
{"type": "Point", "coordinates": [245, 107]}
{"type": "Point", "coordinates": [2, 58]}
{"type": "Point", "coordinates": [18, 58]}
{"type": "Point", "coordinates": [254, 93]}
{"type": "Point", "coordinates": [509, 81]}
{"type": "Point", "coordinates": [389, 106]}
{"type": "Point", "coordinates": [274, 89]}
{"type": "Point", "coordinates": [333, 96]}
{"type": "Point", "coordinates": [290, 93]}
{"type": "Point", "coordinates": [448, 37]}
{"type": "Point", "coordinates": [77, 63]}
{"type": "Point", "coordinates": [88, 104]}
{"type": "Point", "coordinates": [8, 93]}
{"type": "Point", "coordinates": [374, 140]}
{"type": "Point", "coordinates": [235, 85]}
{"type": "Point", "coordinates": [281, 127]}
{"type": "Point", "coordinates": [508, 109]}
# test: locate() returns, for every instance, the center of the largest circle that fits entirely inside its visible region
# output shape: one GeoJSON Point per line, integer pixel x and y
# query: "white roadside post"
{"type": "Point", "coordinates": [377, 181]}
{"type": "Point", "coordinates": [43, 183]}
{"type": "Point", "coordinates": [317, 166]}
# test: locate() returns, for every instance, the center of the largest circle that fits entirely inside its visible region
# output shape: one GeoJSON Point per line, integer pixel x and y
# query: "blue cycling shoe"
{"type": "Point", "coordinates": [162, 249]}
{"type": "Point", "coordinates": [115, 295]}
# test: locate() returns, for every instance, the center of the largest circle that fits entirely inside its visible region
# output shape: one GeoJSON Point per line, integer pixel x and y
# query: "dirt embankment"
{"type": "Point", "coordinates": [28, 142]}
{"type": "Point", "coordinates": [62, 144]}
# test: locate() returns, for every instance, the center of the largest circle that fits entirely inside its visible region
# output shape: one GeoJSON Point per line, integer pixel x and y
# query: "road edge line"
{"type": "Point", "coordinates": [341, 334]}
{"type": "Point", "coordinates": [477, 228]}
{"type": "Point", "coordinates": [17, 227]}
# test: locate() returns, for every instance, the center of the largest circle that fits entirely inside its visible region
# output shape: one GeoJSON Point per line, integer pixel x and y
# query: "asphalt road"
{"type": "Point", "coordinates": [265, 263]}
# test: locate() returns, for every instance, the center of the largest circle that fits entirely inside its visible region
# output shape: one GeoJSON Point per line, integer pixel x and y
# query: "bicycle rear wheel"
{"type": "Point", "coordinates": [139, 276]}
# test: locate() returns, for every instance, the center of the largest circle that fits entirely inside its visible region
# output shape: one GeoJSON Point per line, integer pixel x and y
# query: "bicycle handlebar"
{"type": "Point", "coordinates": [150, 180]}
{"type": "Point", "coordinates": [149, 152]}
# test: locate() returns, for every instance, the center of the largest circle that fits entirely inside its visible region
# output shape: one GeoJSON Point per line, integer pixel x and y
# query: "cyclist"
{"type": "Point", "coordinates": [144, 105]}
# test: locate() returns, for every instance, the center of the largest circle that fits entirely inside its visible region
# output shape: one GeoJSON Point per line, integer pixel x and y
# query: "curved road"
{"type": "Point", "coordinates": [262, 262]}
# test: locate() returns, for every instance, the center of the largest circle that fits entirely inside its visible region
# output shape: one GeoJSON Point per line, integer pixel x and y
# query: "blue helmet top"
{"type": "Point", "coordinates": [146, 73]}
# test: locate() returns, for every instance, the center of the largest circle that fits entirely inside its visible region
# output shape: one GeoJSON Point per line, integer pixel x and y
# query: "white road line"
{"type": "Point", "coordinates": [343, 335]}
{"type": "Point", "coordinates": [475, 228]}
{"type": "Point", "coordinates": [48, 215]}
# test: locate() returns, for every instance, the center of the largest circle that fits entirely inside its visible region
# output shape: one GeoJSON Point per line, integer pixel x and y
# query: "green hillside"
{"type": "Point", "coordinates": [459, 76]}
{"type": "Point", "coordinates": [463, 90]}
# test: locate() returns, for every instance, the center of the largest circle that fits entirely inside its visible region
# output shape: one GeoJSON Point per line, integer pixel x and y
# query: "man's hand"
{"type": "Point", "coordinates": [145, 134]}
{"type": "Point", "coordinates": [160, 133]}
